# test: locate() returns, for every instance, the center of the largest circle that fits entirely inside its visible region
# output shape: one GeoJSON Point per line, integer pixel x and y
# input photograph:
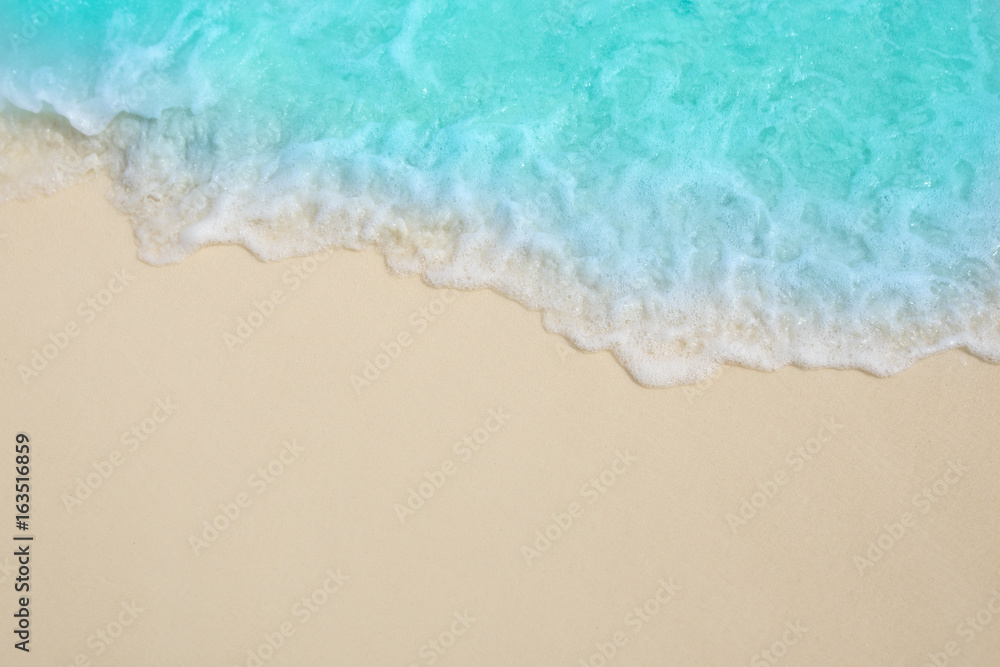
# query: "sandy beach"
{"type": "Point", "coordinates": [316, 462]}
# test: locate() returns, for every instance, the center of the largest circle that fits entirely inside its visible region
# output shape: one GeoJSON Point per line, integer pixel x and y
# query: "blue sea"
{"type": "Point", "coordinates": [685, 183]}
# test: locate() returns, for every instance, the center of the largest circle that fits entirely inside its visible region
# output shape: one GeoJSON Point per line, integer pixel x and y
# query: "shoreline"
{"type": "Point", "coordinates": [662, 337]}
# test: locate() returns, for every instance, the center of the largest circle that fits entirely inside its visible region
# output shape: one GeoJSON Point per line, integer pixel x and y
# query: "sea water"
{"type": "Point", "coordinates": [684, 182]}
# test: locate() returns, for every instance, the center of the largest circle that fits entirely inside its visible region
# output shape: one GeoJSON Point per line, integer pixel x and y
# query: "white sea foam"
{"type": "Point", "coordinates": [725, 307]}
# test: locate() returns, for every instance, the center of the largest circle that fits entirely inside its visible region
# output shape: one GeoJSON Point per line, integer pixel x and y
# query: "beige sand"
{"type": "Point", "coordinates": [734, 523]}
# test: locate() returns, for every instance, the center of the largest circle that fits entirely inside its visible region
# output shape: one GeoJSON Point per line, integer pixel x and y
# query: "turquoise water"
{"type": "Point", "coordinates": [686, 183]}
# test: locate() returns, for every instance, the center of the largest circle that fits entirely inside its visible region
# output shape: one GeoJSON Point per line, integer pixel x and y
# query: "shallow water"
{"type": "Point", "coordinates": [686, 183]}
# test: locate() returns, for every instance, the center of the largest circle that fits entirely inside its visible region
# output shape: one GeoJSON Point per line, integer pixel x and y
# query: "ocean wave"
{"type": "Point", "coordinates": [686, 186]}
